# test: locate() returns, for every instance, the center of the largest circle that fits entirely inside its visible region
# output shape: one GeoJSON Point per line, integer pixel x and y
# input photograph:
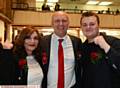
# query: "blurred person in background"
{"type": "Point", "coordinates": [57, 6]}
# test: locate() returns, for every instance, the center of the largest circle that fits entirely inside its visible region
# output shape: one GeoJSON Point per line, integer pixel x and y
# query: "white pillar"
{"type": "Point", "coordinates": [2, 29]}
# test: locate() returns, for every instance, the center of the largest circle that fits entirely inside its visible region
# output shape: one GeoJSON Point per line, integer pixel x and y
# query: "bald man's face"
{"type": "Point", "coordinates": [60, 23]}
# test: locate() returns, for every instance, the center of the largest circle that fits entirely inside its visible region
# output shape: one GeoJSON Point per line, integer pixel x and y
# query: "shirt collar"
{"type": "Point", "coordinates": [57, 37]}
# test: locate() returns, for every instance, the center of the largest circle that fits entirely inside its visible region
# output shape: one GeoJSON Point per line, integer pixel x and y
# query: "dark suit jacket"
{"type": "Point", "coordinates": [7, 68]}
{"type": "Point", "coordinates": [45, 47]}
{"type": "Point", "coordinates": [106, 72]}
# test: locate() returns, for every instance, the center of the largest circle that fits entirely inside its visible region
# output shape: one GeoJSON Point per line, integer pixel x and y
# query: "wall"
{"type": "Point", "coordinates": [44, 19]}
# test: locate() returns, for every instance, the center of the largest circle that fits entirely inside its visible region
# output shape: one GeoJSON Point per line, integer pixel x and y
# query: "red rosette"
{"type": "Point", "coordinates": [94, 56]}
{"type": "Point", "coordinates": [22, 63]}
{"type": "Point", "coordinates": [44, 58]}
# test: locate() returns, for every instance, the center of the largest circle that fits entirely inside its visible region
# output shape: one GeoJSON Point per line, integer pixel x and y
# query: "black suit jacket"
{"type": "Point", "coordinates": [45, 47]}
{"type": "Point", "coordinates": [106, 72]}
{"type": "Point", "coordinates": [7, 68]}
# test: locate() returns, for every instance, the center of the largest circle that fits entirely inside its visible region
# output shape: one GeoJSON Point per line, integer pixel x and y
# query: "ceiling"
{"type": "Point", "coordinates": [115, 2]}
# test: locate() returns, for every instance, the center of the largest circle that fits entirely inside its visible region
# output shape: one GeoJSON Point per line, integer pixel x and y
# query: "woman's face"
{"type": "Point", "coordinates": [31, 42]}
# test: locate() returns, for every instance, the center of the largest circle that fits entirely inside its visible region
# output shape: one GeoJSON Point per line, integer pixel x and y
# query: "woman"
{"type": "Point", "coordinates": [26, 53]}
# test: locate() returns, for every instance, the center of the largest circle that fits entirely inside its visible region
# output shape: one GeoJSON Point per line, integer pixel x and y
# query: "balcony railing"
{"type": "Point", "coordinates": [25, 6]}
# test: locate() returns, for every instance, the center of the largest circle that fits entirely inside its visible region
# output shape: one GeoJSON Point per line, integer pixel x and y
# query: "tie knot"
{"type": "Point", "coordinates": [60, 40]}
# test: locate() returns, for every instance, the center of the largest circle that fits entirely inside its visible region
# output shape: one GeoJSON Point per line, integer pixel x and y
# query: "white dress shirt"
{"type": "Point", "coordinates": [35, 74]}
{"type": "Point", "coordinates": [69, 62]}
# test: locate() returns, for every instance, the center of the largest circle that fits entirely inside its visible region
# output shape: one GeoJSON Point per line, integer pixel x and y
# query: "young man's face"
{"type": "Point", "coordinates": [90, 27]}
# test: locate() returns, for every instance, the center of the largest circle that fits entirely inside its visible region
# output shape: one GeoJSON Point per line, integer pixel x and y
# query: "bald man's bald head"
{"type": "Point", "coordinates": [60, 13]}
{"type": "Point", "coordinates": [60, 23]}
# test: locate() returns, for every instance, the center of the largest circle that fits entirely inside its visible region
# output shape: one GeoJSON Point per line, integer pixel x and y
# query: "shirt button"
{"type": "Point", "coordinates": [106, 57]}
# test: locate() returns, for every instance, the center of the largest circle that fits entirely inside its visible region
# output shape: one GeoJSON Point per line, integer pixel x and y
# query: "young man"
{"type": "Point", "coordinates": [101, 62]}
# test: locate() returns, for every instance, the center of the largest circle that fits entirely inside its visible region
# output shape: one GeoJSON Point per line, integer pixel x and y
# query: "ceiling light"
{"type": "Point", "coordinates": [105, 3]}
{"type": "Point", "coordinates": [52, 0]}
{"type": "Point", "coordinates": [92, 2]}
{"type": "Point", "coordinates": [50, 4]}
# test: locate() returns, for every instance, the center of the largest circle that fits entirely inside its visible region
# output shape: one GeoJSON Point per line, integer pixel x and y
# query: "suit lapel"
{"type": "Point", "coordinates": [46, 44]}
{"type": "Point", "coordinates": [77, 52]}
{"type": "Point", "coordinates": [74, 45]}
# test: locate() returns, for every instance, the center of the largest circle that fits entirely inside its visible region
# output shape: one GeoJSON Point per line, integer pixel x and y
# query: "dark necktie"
{"type": "Point", "coordinates": [60, 65]}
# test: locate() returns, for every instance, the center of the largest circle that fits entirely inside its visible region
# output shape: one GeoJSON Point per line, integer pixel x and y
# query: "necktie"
{"type": "Point", "coordinates": [60, 65]}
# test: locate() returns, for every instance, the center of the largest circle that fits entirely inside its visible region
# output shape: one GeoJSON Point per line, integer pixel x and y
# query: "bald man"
{"type": "Point", "coordinates": [71, 48]}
